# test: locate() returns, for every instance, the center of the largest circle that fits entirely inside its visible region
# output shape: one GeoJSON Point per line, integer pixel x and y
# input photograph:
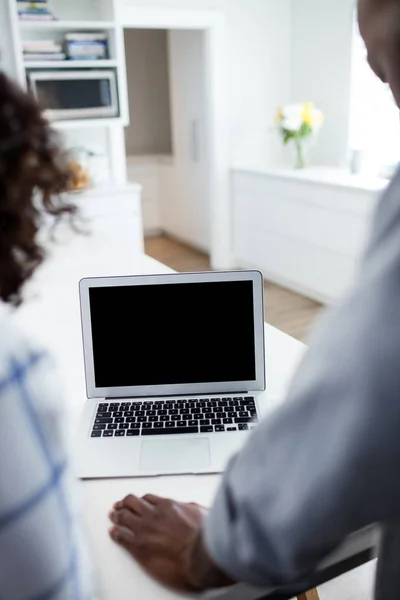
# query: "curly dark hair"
{"type": "Point", "coordinates": [33, 175]}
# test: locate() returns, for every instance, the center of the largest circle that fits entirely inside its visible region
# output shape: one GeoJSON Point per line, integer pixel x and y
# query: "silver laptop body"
{"type": "Point", "coordinates": [173, 366]}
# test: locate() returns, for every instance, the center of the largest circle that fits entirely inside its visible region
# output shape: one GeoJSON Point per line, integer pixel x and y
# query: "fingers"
{"type": "Point", "coordinates": [158, 501]}
{"type": "Point", "coordinates": [200, 506]}
{"type": "Point", "coordinates": [151, 505]}
{"type": "Point", "coordinates": [139, 506]}
{"type": "Point", "coordinates": [154, 500]}
{"type": "Point", "coordinates": [125, 529]}
{"type": "Point", "coordinates": [123, 537]}
{"type": "Point", "coordinates": [144, 505]}
{"type": "Point", "coordinates": [126, 518]}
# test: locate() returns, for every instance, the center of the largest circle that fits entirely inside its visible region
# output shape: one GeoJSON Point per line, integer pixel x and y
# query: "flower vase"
{"type": "Point", "coordinates": [298, 124]}
{"type": "Point", "coordinates": [300, 154]}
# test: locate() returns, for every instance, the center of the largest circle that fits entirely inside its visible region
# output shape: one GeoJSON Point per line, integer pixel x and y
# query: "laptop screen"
{"type": "Point", "coordinates": [180, 333]}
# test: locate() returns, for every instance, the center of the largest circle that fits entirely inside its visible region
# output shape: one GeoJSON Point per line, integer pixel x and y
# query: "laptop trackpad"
{"type": "Point", "coordinates": [175, 456]}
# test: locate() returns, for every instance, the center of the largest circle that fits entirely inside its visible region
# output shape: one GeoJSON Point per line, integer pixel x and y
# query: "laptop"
{"type": "Point", "coordinates": [173, 365]}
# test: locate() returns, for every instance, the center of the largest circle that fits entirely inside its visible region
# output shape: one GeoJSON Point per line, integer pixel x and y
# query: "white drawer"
{"type": "Point", "coordinates": [109, 201]}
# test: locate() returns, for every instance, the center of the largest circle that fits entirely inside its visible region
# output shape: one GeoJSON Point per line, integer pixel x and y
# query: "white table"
{"type": "Point", "coordinates": [51, 315]}
{"type": "Point", "coordinates": [121, 576]}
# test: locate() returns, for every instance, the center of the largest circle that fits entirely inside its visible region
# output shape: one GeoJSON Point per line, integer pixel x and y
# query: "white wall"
{"type": "Point", "coordinates": [6, 59]}
{"type": "Point", "coordinates": [259, 42]}
{"type": "Point", "coordinates": [321, 69]}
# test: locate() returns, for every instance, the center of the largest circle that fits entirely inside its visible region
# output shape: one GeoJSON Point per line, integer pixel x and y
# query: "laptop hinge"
{"type": "Point", "coordinates": [119, 398]}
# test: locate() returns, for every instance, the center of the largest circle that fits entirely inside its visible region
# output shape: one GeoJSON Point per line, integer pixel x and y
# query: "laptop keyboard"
{"type": "Point", "coordinates": [178, 416]}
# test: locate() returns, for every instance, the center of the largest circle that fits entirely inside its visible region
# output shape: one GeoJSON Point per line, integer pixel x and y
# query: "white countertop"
{"type": "Point", "coordinates": [51, 316]}
{"type": "Point", "coordinates": [106, 189]}
{"type": "Point", "coordinates": [323, 176]}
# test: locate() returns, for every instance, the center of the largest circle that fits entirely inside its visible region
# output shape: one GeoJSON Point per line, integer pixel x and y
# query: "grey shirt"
{"type": "Point", "coordinates": [328, 461]}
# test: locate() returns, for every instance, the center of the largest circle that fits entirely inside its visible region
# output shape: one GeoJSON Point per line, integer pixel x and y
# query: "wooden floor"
{"type": "Point", "coordinates": [292, 313]}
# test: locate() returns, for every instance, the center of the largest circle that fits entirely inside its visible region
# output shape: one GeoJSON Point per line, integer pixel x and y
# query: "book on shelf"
{"type": "Point", "coordinates": [87, 57]}
{"type": "Point", "coordinates": [27, 44]}
{"type": "Point", "coordinates": [86, 46]}
{"type": "Point", "coordinates": [83, 43]}
{"type": "Point", "coordinates": [57, 56]}
{"type": "Point", "coordinates": [41, 47]}
{"type": "Point", "coordinates": [33, 11]}
{"type": "Point", "coordinates": [37, 10]}
{"type": "Point", "coordinates": [86, 37]}
{"type": "Point", "coordinates": [42, 50]}
{"type": "Point", "coordinates": [23, 5]}
{"type": "Point", "coordinates": [36, 17]}
{"type": "Point", "coordinates": [87, 53]}
{"type": "Point", "coordinates": [82, 49]}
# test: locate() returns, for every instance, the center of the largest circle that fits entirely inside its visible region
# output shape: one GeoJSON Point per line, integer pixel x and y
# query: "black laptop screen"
{"type": "Point", "coordinates": [173, 333]}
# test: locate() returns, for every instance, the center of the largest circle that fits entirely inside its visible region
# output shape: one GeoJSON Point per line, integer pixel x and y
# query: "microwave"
{"type": "Point", "coordinates": [75, 94]}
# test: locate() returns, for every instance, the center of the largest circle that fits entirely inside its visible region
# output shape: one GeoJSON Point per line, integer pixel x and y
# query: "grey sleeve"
{"type": "Point", "coordinates": [328, 462]}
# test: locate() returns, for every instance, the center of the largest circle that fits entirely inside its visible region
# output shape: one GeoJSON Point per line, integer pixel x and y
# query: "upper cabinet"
{"type": "Point", "coordinates": [71, 56]}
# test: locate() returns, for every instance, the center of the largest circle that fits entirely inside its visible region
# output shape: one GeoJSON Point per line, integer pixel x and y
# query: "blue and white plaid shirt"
{"type": "Point", "coordinates": [42, 551]}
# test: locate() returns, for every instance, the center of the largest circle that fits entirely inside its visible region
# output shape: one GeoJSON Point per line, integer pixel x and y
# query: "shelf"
{"type": "Point", "coordinates": [69, 64]}
{"type": "Point", "coordinates": [70, 25]}
{"type": "Point", "coordinates": [87, 123]}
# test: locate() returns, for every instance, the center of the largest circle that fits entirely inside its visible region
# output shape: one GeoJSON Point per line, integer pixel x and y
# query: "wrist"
{"type": "Point", "coordinates": [202, 571]}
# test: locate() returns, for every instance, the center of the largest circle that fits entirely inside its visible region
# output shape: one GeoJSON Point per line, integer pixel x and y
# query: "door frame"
{"type": "Point", "coordinates": [213, 24]}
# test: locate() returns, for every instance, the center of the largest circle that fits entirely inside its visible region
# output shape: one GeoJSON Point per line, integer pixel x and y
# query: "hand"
{"type": "Point", "coordinates": [162, 536]}
{"type": "Point", "coordinates": [159, 534]}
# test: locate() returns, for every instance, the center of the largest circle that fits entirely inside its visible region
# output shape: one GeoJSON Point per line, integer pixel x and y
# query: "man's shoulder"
{"type": "Point", "coordinates": [383, 247]}
{"type": "Point", "coordinates": [387, 214]}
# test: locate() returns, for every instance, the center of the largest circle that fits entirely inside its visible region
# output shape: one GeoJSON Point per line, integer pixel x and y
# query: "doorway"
{"type": "Point", "coordinates": [166, 141]}
{"type": "Point", "coordinates": [192, 180]}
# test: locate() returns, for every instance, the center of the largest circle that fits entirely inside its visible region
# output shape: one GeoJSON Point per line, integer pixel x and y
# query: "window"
{"type": "Point", "coordinates": [374, 116]}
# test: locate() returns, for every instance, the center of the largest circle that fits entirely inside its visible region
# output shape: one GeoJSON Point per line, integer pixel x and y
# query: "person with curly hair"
{"type": "Point", "coordinates": [43, 553]}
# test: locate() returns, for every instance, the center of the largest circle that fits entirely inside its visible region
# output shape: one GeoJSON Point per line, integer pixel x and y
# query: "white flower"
{"type": "Point", "coordinates": [292, 124]}
{"type": "Point", "coordinates": [292, 119]}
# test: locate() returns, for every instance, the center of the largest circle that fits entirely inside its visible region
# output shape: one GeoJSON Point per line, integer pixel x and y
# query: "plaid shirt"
{"type": "Point", "coordinates": [42, 553]}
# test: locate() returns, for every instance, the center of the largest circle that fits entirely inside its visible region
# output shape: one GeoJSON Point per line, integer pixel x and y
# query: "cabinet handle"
{"type": "Point", "coordinates": [195, 140]}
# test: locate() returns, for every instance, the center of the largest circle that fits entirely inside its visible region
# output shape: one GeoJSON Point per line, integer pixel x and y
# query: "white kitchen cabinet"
{"type": "Point", "coordinates": [114, 211]}
{"type": "Point", "coordinates": [304, 230]}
